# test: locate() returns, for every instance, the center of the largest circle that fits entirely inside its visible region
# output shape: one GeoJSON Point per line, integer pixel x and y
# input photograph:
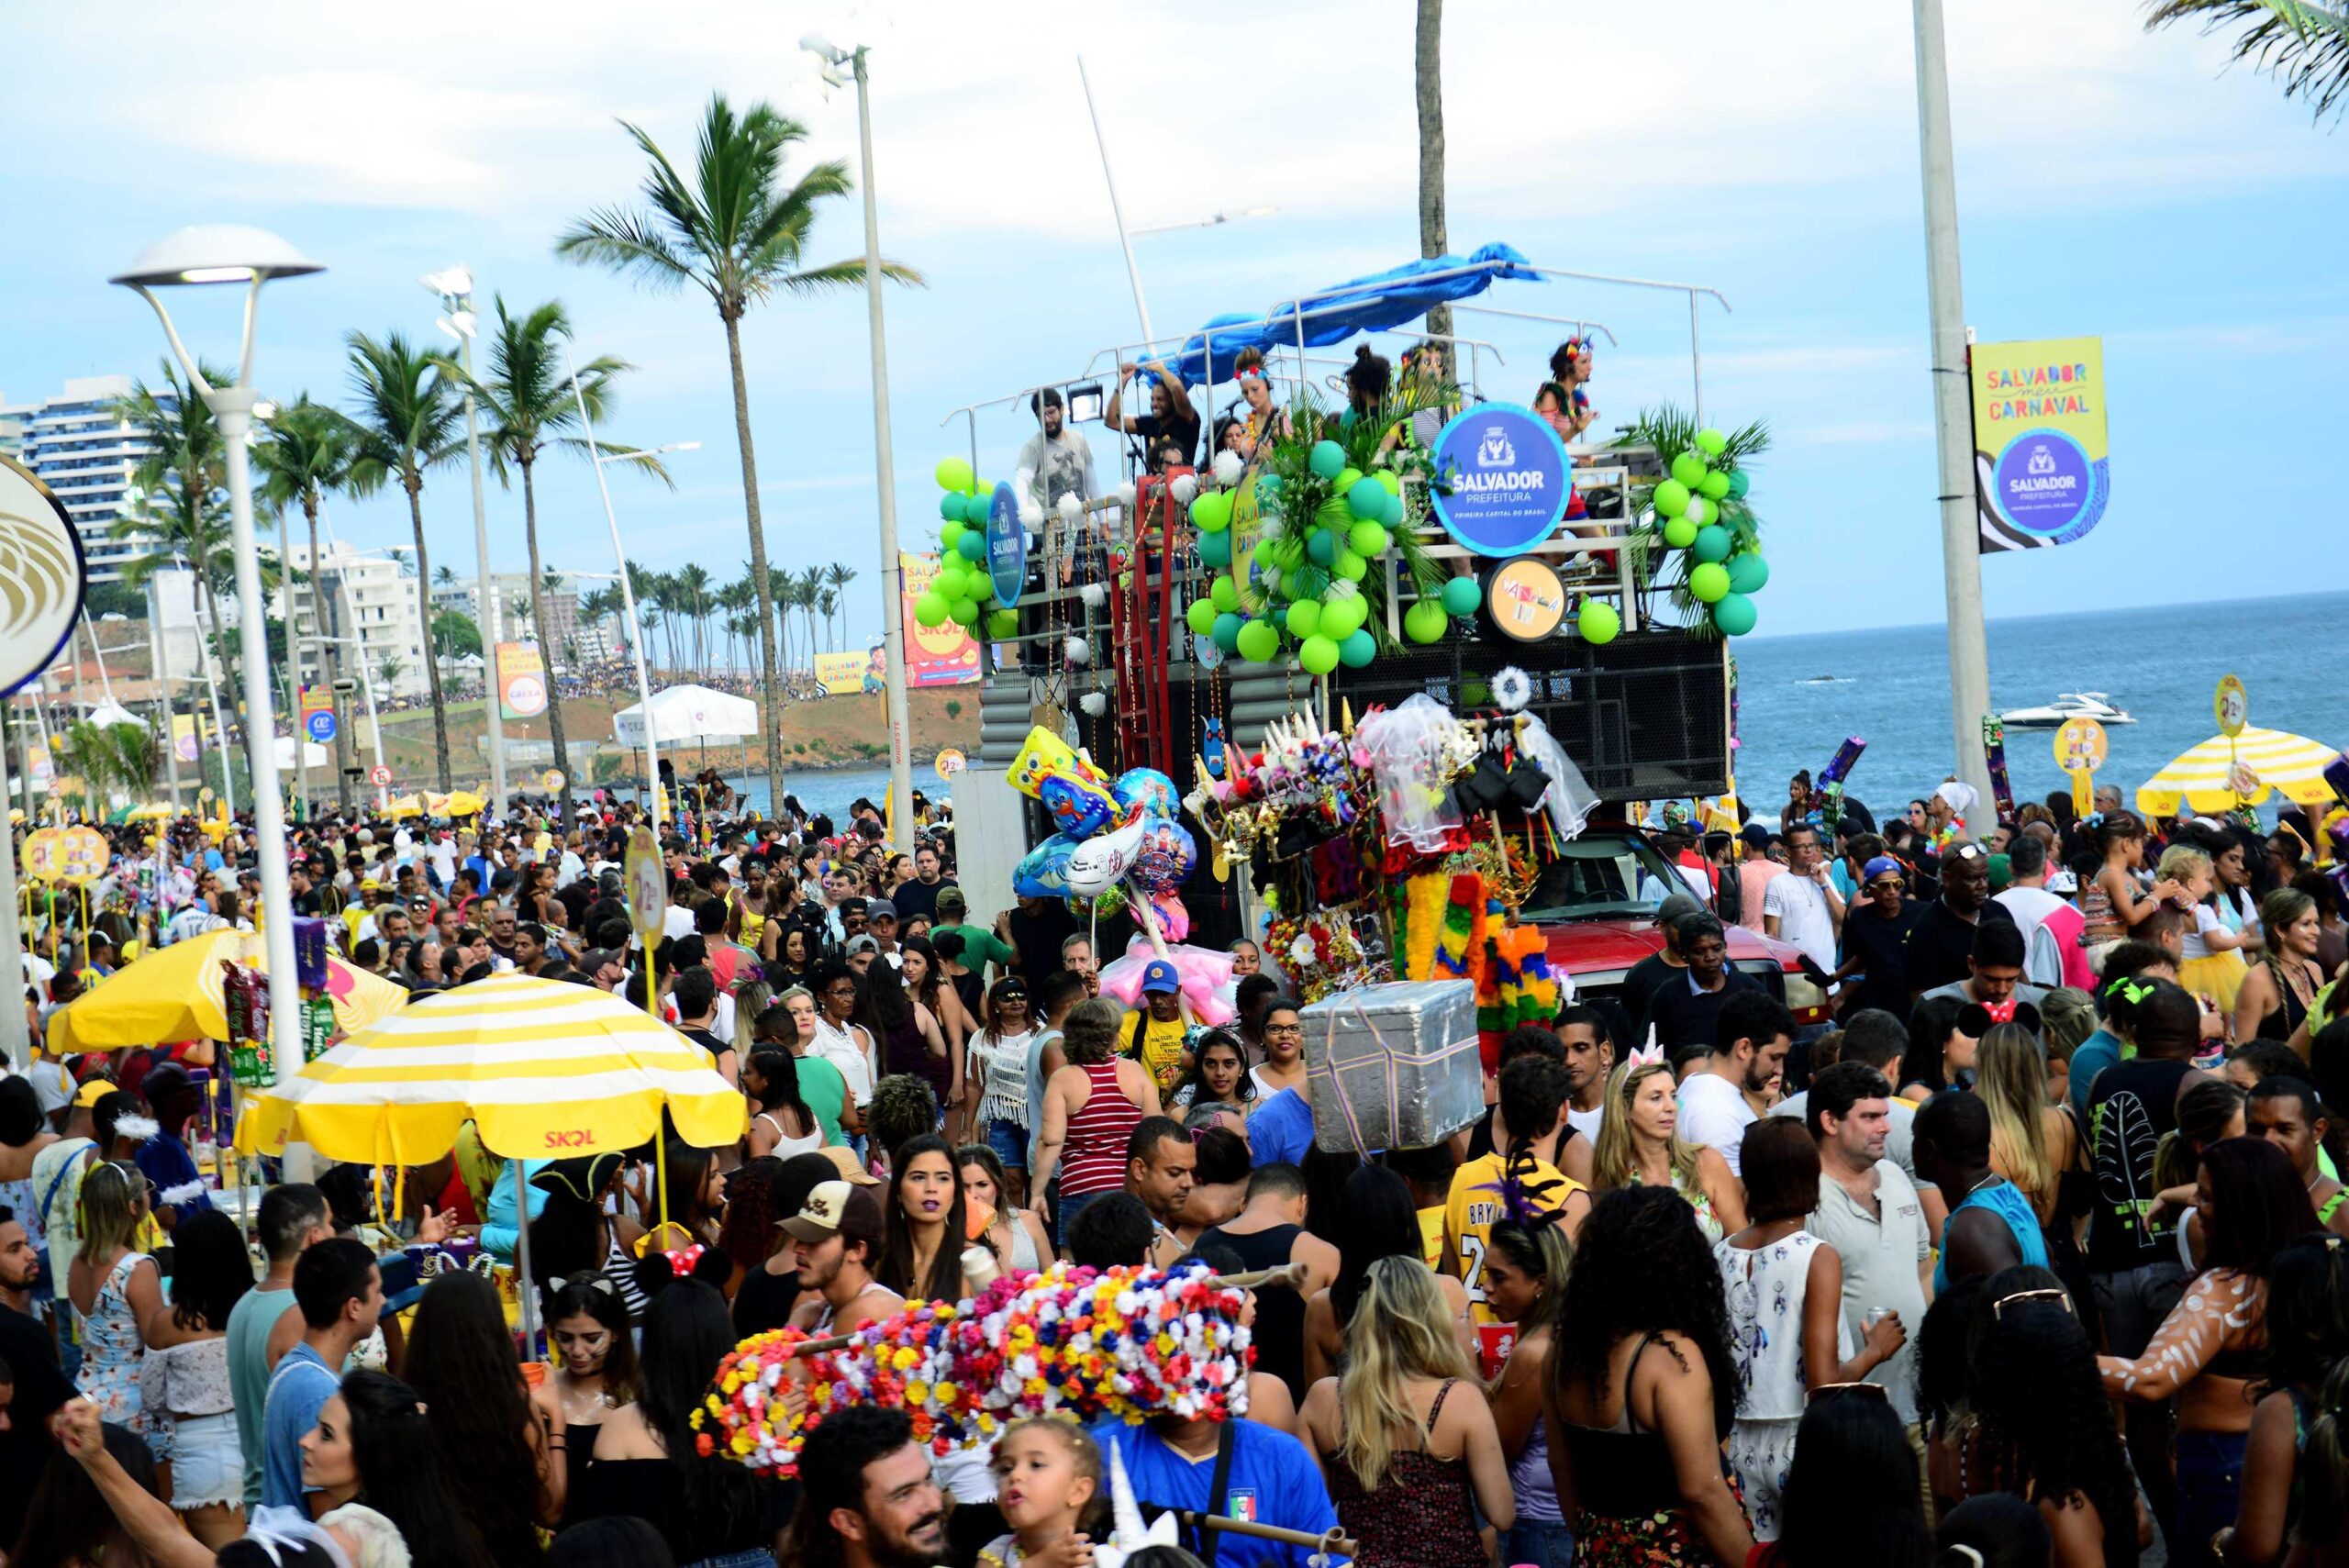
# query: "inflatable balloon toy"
{"type": "Point", "coordinates": [1148, 788]}
{"type": "Point", "coordinates": [1042, 873]}
{"type": "Point", "coordinates": [1105, 858]}
{"type": "Point", "coordinates": [1046, 770]}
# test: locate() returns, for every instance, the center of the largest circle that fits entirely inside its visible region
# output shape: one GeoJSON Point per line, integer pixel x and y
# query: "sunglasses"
{"type": "Point", "coordinates": [2048, 1293]}
{"type": "Point", "coordinates": [1885, 884]}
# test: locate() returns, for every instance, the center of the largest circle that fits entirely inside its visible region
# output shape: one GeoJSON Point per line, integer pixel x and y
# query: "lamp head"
{"type": "Point", "coordinates": [449, 283]}
{"type": "Point", "coordinates": [822, 47]}
{"type": "Point", "coordinates": [215, 253]}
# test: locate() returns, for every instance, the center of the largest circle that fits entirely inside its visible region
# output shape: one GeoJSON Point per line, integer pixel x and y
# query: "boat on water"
{"type": "Point", "coordinates": [2066, 706]}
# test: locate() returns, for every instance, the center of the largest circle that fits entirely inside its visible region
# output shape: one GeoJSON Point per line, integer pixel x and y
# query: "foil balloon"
{"type": "Point", "coordinates": [1106, 859]}
{"type": "Point", "coordinates": [1042, 873]}
{"type": "Point", "coordinates": [1047, 771]}
{"type": "Point", "coordinates": [1167, 855]}
{"type": "Point", "coordinates": [1173, 921]}
{"type": "Point", "coordinates": [1108, 906]}
{"type": "Point", "coordinates": [1079, 809]}
{"type": "Point", "coordinates": [1148, 788]}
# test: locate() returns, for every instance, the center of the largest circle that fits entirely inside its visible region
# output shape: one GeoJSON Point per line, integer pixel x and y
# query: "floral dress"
{"type": "Point", "coordinates": [1764, 1289]}
{"type": "Point", "coordinates": [113, 1350]}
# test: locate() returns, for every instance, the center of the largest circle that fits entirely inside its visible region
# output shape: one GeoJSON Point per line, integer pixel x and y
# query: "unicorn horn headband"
{"type": "Point", "coordinates": [1648, 1055]}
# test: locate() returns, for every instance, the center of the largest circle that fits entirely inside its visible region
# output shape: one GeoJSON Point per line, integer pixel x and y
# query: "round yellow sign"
{"type": "Point", "coordinates": [950, 761]}
{"type": "Point", "coordinates": [1526, 599]}
{"type": "Point", "coordinates": [2080, 746]}
{"type": "Point", "coordinates": [554, 780]}
{"type": "Point", "coordinates": [2231, 704]}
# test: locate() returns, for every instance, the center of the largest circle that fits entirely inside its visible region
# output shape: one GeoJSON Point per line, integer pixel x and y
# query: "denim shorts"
{"type": "Point", "coordinates": [1009, 1141]}
{"type": "Point", "coordinates": [1542, 1543]}
{"type": "Point", "coordinates": [207, 1463]}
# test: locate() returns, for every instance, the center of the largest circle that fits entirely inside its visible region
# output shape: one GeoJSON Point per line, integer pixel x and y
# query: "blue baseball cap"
{"type": "Point", "coordinates": [1160, 976]}
{"type": "Point", "coordinates": [1881, 864]}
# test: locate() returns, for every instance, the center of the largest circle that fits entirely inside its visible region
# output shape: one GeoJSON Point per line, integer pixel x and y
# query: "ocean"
{"type": "Point", "coordinates": [1890, 687]}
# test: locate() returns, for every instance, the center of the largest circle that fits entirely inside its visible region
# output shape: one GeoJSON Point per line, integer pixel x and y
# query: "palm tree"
{"type": "Point", "coordinates": [1427, 76]}
{"type": "Point", "coordinates": [182, 509]}
{"type": "Point", "coordinates": [2304, 42]}
{"type": "Point", "coordinates": [305, 452]}
{"type": "Point", "coordinates": [811, 597]}
{"type": "Point", "coordinates": [388, 669]}
{"type": "Point", "coordinates": [527, 402]}
{"type": "Point", "coordinates": [740, 234]}
{"type": "Point", "coordinates": [837, 577]}
{"type": "Point", "coordinates": [409, 419]}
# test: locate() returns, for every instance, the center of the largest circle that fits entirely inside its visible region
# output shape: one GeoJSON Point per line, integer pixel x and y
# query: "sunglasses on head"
{"type": "Point", "coordinates": [2055, 1293]}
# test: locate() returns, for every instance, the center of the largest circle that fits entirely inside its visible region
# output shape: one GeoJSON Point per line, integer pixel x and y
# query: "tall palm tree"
{"type": "Point", "coordinates": [837, 577]}
{"type": "Point", "coordinates": [305, 452]}
{"type": "Point", "coordinates": [739, 233]}
{"type": "Point", "coordinates": [408, 417]}
{"type": "Point", "coordinates": [181, 514]}
{"type": "Point", "coordinates": [694, 591]}
{"type": "Point", "coordinates": [2303, 42]}
{"type": "Point", "coordinates": [1427, 77]}
{"type": "Point", "coordinates": [527, 404]}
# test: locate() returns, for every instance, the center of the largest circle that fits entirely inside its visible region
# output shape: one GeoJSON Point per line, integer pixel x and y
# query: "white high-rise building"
{"type": "Point", "coordinates": [373, 597]}
{"type": "Point", "coordinates": [84, 451]}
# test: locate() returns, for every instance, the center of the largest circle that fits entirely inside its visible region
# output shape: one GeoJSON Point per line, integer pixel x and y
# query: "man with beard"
{"type": "Point", "coordinates": [1750, 1044]}
{"type": "Point", "coordinates": [40, 1389]}
{"type": "Point", "coordinates": [866, 1498]}
{"type": "Point", "coordinates": [1057, 460]}
{"type": "Point", "coordinates": [835, 1236]}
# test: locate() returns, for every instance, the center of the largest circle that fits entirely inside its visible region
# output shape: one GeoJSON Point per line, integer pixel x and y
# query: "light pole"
{"type": "Point", "coordinates": [227, 253]}
{"type": "Point", "coordinates": [456, 287]}
{"type": "Point", "coordinates": [367, 684]}
{"type": "Point", "coordinates": [892, 630]}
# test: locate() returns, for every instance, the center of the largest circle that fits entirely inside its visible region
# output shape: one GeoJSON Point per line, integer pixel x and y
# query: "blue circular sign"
{"type": "Point", "coordinates": [2044, 482]}
{"type": "Point", "coordinates": [322, 726]}
{"type": "Point", "coordinates": [1501, 479]}
{"type": "Point", "coordinates": [1007, 545]}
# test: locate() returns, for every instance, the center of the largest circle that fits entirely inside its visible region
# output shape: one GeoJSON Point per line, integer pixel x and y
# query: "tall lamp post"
{"type": "Point", "coordinates": [229, 253]}
{"type": "Point", "coordinates": [893, 631]}
{"type": "Point", "coordinates": [455, 288]}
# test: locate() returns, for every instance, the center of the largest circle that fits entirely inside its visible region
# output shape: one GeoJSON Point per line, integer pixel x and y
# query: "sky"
{"type": "Point", "coordinates": [2110, 183]}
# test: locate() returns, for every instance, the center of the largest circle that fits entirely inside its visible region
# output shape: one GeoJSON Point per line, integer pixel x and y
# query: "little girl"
{"type": "Point", "coordinates": [2212, 964]}
{"type": "Point", "coordinates": [1048, 1482]}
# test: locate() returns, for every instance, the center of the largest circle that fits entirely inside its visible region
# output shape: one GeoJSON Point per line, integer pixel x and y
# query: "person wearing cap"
{"type": "Point", "coordinates": [881, 925]}
{"type": "Point", "coordinates": [836, 1240]}
{"type": "Point", "coordinates": [1755, 871]}
{"type": "Point", "coordinates": [1876, 932]}
{"type": "Point", "coordinates": [1153, 1033]}
{"type": "Point", "coordinates": [1940, 948]}
{"type": "Point", "coordinates": [862, 950]}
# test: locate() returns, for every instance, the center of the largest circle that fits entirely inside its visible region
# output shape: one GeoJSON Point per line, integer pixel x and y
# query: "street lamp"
{"type": "Point", "coordinates": [229, 253]}
{"type": "Point", "coordinates": [454, 285]}
{"type": "Point", "coordinates": [900, 814]}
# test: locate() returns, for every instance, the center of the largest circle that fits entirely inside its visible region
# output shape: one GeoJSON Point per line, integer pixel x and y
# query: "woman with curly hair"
{"type": "Point", "coordinates": [1642, 1388]}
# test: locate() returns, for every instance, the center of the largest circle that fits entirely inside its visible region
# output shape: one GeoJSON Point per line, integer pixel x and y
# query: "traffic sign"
{"type": "Point", "coordinates": [322, 726]}
{"type": "Point", "coordinates": [378, 775]}
{"type": "Point", "coordinates": [554, 780]}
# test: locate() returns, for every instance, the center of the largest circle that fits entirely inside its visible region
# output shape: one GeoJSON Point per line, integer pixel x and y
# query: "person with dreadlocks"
{"type": "Point", "coordinates": [1513, 1182]}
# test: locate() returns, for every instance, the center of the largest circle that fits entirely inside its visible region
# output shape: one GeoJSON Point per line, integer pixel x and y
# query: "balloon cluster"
{"type": "Point", "coordinates": [1120, 837]}
{"type": "Point", "coordinates": [1722, 574]}
{"type": "Point", "coordinates": [963, 590]}
{"type": "Point", "coordinates": [1128, 1342]}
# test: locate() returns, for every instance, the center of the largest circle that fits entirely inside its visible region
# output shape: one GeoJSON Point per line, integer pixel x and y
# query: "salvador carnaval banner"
{"type": "Point", "coordinates": [944, 655]}
{"type": "Point", "coordinates": [2041, 472]}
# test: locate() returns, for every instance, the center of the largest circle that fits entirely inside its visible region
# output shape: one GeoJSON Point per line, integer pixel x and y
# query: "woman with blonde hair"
{"type": "Point", "coordinates": [1408, 1465]}
{"type": "Point", "coordinates": [2033, 1143]}
{"type": "Point", "coordinates": [114, 1288]}
{"type": "Point", "coordinates": [1639, 1146]}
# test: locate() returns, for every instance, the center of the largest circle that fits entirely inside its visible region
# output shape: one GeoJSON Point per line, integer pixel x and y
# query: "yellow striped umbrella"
{"type": "Point", "coordinates": [173, 993]}
{"type": "Point", "coordinates": [2275, 759]}
{"type": "Point", "coordinates": [404, 806]}
{"type": "Point", "coordinates": [546, 1068]}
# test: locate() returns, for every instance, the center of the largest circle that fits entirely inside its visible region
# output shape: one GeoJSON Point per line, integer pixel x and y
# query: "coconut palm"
{"type": "Point", "coordinates": [837, 577]}
{"type": "Point", "coordinates": [739, 233]}
{"type": "Point", "coordinates": [408, 417]}
{"type": "Point", "coordinates": [694, 589]}
{"type": "Point", "coordinates": [1427, 77]}
{"type": "Point", "coordinates": [388, 669]}
{"type": "Point", "coordinates": [305, 452]}
{"type": "Point", "coordinates": [182, 511]}
{"type": "Point", "coordinates": [2305, 43]}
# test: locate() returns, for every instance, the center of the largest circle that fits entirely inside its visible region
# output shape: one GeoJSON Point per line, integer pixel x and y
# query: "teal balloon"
{"type": "Point", "coordinates": [1462, 595]}
{"type": "Point", "coordinates": [1328, 460]}
{"type": "Point", "coordinates": [1734, 615]}
{"type": "Point", "coordinates": [950, 508]}
{"type": "Point", "coordinates": [1318, 655]}
{"type": "Point", "coordinates": [1322, 548]}
{"type": "Point", "coordinates": [1739, 484]}
{"type": "Point", "coordinates": [1357, 648]}
{"type": "Point", "coordinates": [1708, 581]}
{"type": "Point", "coordinates": [1258, 641]}
{"type": "Point", "coordinates": [1215, 549]}
{"type": "Point", "coordinates": [1268, 484]}
{"type": "Point", "coordinates": [1712, 442]}
{"type": "Point", "coordinates": [1225, 632]}
{"type": "Point", "coordinates": [1748, 574]}
{"type": "Point", "coordinates": [1394, 517]}
{"type": "Point", "coordinates": [1368, 499]}
{"type": "Point", "coordinates": [1689, 469]}
{"type": "Point", "coordinates": [972, 546]}
{"type": "Point", "coordinates": [1713, 543]}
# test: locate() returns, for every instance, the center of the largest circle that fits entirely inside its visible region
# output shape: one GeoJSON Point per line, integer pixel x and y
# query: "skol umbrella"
{"type": "Point", "coordinates": [2207, 777]}
{"type": "Point", "coordinates": [173, 993]}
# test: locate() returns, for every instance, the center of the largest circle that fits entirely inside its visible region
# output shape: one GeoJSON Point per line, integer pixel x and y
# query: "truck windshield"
{"type": "Point", "coordinates": [1603, 874]}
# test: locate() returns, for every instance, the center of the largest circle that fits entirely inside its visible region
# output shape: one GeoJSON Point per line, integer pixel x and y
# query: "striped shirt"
{"type": "Point", "coordinates": [1094, 1160]}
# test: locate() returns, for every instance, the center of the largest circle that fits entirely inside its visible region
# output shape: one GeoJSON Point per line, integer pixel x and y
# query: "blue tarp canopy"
{"type": "Point", "coordinates": [1358, 305]}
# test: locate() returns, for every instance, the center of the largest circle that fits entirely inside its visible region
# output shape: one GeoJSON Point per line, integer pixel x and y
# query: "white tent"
{"type": "Point", "coordinates": [687, 713]}
{"type": "Point", "coordinates": [313, 754]}
{"type": "Point", "coordinates": [109, 713]}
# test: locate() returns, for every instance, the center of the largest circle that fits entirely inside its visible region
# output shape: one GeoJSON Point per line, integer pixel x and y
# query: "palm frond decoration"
{"type": "Point", "coordinates": [2303, 43]}
{"type": "Point", "coordinates": [1671, 430]}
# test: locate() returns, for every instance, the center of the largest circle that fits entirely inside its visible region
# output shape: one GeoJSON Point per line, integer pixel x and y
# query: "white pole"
{"type": "Point", "coordinates": [219, 720]}
{"type": "Point", "coordinates": [893, 631]}
{"type": "Point", "coordinates": [375, 722]}
{"type": "Point", "coordinates": [295, 716]}
{"type": "Point", "coordinates": [628, 600]}
{"type": "Point", "coordinates": [1969, 657]}
{"type": "Point", "coordinates": [14, 1038]}
{"type": "Point", "coordinates": [1134, 275]}
{"type": "Point", "coordinates": [162, 660]}
{"type": "Point", "coordinates": [488, 606]}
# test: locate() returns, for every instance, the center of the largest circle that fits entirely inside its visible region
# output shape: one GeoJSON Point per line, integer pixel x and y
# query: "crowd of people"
{"type": "Point", "coordinates": [2030, 1254]}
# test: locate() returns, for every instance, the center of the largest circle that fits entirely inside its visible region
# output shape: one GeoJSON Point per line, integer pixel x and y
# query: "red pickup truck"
{"type": "Point", "coordinates": [1595, 904]}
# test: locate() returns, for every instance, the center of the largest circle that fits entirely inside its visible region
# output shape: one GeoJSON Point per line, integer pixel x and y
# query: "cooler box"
{"type": "Point", "coordinates": [1393, 1066]}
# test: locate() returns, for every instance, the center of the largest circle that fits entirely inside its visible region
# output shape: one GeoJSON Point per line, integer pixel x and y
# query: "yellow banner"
{"type": "Point", "coordinates": [522, 680]}
{"type": "Point", "coordinates": [2042, 473]}
{"type": "Point", "coordinates": [942, 655]}
{"type": "Point", "coordinates": [846, 674]}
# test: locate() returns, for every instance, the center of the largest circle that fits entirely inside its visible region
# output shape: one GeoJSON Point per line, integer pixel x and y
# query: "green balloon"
{"type": "Point", "coordinates": [951, 531]}
{"type": "Point", "coordinates": [1713, 543]}
{"type": "Point", "coordinates": [1200, 617]}
{"type": "Point", "coordinates": [1739, 484]}
{"type": "Point", "coordinates": [1369, 538]}
{"type": "Point", "coordinates": [1212, 511]}
{"type": "Point", "coordinates": [965, 611]}
{"type": "Point", "coordinates": [1462, 595]}
{"type": "Point", "coordinates": [1003, 623]}
{"type": "Point", "coordinates": [1391, 480]}
{"type": "Point", "coordinates": [1367, 497]}
{"type": "Point", "coordinates": [1671, 498]}
{"type": "Point", "coordinates": [971, 546]}
{"type": "Point", "coordinates": [1215, 549]}
{"type": "Point", "coordinates": [1341, 617]}
{"type": "Point", "coordinates": [1318, 655]}
{"type": "Point", "coordinates": [1356, 648]}
{"type": "Point", "coordinates": [1303, 617]}
{"type": "Point", "coordinates": [1712, 442]}
{"type": "Point", "coordinates": [1748, 574]}
{"type": "Point", "coordinates": [1708, 581]}
{"type": "Point", "coordinates": [950, 506]}
{"type": "Point", "coordinates": [1425, 621]}
{"type": "Point", "coordinates": [1267, 552]}
{"type": "Point", "coordinates": [1322, 548]}
{"type": "Point", "coordinates": [1734, 615]}
{"type": "Point", "coordinates": [953, 473]}
{"type": "Point", "coordinates": [1680, 533]}
{"type": "Point", "coordinates": [1689, 469]}
{"type": "Point", "coordinates": [1700, 511]}
{"type": "Point", "coordinates": [948, 584]}
{"type": "Point", "coordinates": [1348, 477]}
{"type": "Point", "coordinates": [930, 610]}
{"type": "Point", "coordinates": [1597, 621]}
{"type": "Point", "coordinates": [1226, 631]}
{"type": "Point", "coordinates": [1224, 594]}
{"type": "Point", "coordinates": [1258, 641]}
{"type": "Point", "coordinates": [1327, 459]}
{"type": "Point", "coordinates": [1349, 567]}
{"type": "Point", "coordinates": [1714, 486]}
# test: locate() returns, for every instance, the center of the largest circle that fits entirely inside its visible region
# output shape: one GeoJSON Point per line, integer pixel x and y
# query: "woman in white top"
{"type": "Point", "coordinates": [1784, 1292]}
{"type": "Point", "coordinates": [1283, 1063]}
{"type": "Point", "coordinates": [1016, 1234]}
{"type": "Point", "coordinates": [840, 1040]}
{"type": "Point", "coordinates": [997, 1073]}
{"type": "Point", "coordinates": [185, 1378]}
{"type": "Point", "coordinates": [781, 1122]}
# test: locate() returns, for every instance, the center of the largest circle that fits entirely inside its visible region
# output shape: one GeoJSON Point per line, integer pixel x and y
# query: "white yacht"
{"type": "Point", "coordinates": [2066, 706]}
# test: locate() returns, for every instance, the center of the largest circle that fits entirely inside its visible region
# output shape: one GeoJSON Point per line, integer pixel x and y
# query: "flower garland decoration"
{"type": "Point", "coordinates": [1324, 952]}
{"type": "Point", "coordinates": [1128, 1342]}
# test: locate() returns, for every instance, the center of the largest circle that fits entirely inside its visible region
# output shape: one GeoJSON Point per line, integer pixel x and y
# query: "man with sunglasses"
{"type": "Point", "coordinates": [1940, 946]}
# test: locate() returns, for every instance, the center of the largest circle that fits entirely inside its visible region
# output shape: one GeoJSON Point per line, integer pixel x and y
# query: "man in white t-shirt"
{"type": "Point", "coordinates": [1749, 1049]}
{"type": "Point", "coordinates": [1590, 1059]}
{"type": "Point", "coordinates": [1802, 907]}
{"type": "Point", "coordinates": [2028, 900]}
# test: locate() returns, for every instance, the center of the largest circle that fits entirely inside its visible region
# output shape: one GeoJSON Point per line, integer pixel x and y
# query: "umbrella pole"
{"type": "Point", "coordinates": [523, 1287]}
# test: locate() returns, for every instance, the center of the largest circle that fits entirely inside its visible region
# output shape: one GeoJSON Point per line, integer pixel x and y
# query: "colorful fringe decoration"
{"type": "Point", "coordinates": [1518, 987]}
{"type": "Point", "coordinates": [1460, 948]}
{"type": "Point", "coordinates": [1420, 916]}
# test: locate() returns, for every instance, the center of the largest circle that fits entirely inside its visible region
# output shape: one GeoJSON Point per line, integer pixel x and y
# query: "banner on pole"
{"type": "Point", "coordinates": [522, 680]}
{"type": "Point", "coordinates": [317, 712]}
{"type": "Point", "coordinates": [942, 655]}
{"type": "Point", "coordinates": [183, 737]}
{"type": "Point", "coordinates": [2041, 472]}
